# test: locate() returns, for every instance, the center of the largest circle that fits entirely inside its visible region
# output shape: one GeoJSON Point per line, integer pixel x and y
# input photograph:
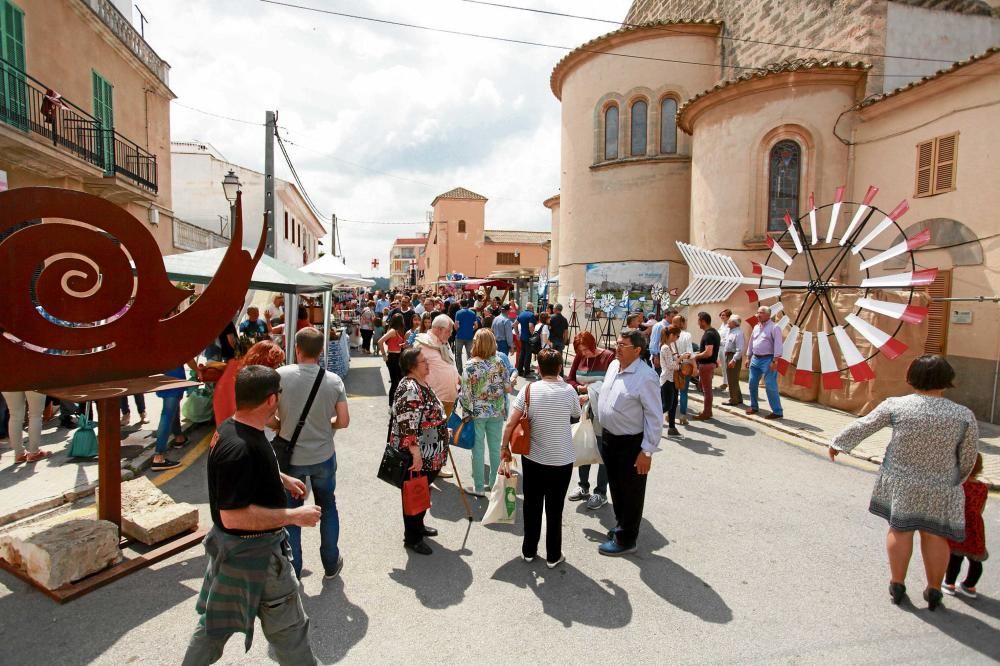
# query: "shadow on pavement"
{"type": "Point", "coordinates": [568, 595]}
{"type": "Point", "coordinates": [343, 624]}
{"type": "Point", "coordinates": [439, 580]}
{"type": "Point", "coordinates": [704, 431]}
{"type": "Point", "coordinates": [82, 631]}
{"type": "Point", "coordinates": [700, 447]}
{"type": "Point", "coordinates": [735, 429]}
{"type": "Point", "coordinates": [967, 630]}
{"type": "Point", "coordinates": [364, 382]}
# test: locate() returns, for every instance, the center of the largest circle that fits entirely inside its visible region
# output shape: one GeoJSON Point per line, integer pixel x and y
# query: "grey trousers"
{"type": "Point", "coordinates": [282, 618]}
{"type": "Point", "coordinates": [459, 346]}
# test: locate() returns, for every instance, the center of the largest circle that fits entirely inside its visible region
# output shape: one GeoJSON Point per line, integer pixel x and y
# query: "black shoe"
{"type": "Point", "coordinates": [336, 570]}
{"type": "Point", "coordinates": [68, 423]}
{"type": "Point", "coordinates": [897, 592]}
{"type": "Point", "coordinates": [430, 531]}
{"type": "Point", "coordinates": [163, 465]}
{"type": "Point", "coordinates": [179, 445]}
{"type": "Point", "coordinates": [933, 598]}
{"type": "Point", "coordinates": [419, 547]}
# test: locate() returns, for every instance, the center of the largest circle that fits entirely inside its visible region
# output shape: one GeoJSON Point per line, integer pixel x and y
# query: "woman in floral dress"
{"type": "Point", "coordinates": [919, 485]}
{"type": "Point", "coordinates": [418, 425]}
{"type": "Point", "coordinates": [483, 387]}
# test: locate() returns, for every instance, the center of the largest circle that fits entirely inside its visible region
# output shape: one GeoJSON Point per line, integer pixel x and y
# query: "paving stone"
{"type": "Point", "coordinates": [149, 515]}
{"type": "Point", "coordinates": [54, 555]}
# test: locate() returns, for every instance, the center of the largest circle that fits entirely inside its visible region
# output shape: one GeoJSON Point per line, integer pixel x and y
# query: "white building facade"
{"type": "Point", "coordinates": [199, 200]}
{"type": "Point", "coordinates": [402, 259]}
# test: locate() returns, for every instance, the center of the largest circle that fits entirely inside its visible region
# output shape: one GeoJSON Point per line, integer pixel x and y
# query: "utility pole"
{"type": "Point", "coordinates": [333, 235]}
{"type": "Point", "coordinates": [271, 120]}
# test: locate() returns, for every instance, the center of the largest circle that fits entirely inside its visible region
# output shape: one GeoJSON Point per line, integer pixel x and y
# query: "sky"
{"type": "Point", "coordinates": [379, 118]}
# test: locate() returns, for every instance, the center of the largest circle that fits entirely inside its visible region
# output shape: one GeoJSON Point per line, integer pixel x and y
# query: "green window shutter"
{"type": "Point", "coordinates": [105, 115]}
{"type": "Point", "coordinates": [13, 87]}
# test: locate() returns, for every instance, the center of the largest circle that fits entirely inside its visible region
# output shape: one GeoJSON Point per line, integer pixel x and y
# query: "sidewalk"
{"type": "Point", "coordinates": [819, 424]}
{"type": "Point", "coordinates": [29, 488]}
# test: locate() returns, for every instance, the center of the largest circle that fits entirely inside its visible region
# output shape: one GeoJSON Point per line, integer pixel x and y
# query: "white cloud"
{"type": "Point", "coordinates": [382, 117]}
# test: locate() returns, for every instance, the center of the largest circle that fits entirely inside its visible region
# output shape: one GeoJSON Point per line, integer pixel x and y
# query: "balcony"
{"type": "Point", "coordinates": [70, 130]}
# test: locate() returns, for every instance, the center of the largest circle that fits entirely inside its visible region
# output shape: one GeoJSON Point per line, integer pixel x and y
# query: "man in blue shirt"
{"type": "Point", "coordinates": [466, 320]}
{"type": "Point", "coordinates": [381, 304]}
{"type": "Point", "coordinates": [503, 331]}
{"type": "Point", "coordinates": [526, 326]}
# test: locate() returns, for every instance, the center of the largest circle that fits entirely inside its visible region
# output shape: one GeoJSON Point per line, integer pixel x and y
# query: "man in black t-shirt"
{"type": "Point", "coordinates": [708, 360]}
{"type": "Point", "coordinates": [250, 571]}
{"type": "Point", "coordinates": [558, 332]}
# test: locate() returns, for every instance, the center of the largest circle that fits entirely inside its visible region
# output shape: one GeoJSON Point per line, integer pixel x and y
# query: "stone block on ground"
{"type": "Point", "coordinates": [54, 555]}
{"type": "Point", "coordinates": [149, 515]}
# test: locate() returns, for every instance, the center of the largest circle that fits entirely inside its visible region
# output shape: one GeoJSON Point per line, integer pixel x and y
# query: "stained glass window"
{"type": "Point", "coordinates": [638, 126]}
{"type": "Point", "coordinates": [611, 133]}
{"type": "Point", "coordinates": [668, 126]}
{"type": "Point", "coordinates": [783, 183]}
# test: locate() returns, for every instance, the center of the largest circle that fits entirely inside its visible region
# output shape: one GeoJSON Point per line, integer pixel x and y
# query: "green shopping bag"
{"type": "Point", "coordinates": [197, 406]}
{"type": "Point", "coordinates": [84, 442]}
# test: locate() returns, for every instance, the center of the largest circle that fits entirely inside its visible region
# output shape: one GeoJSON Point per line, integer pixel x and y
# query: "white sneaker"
{"type": "Point", "coordinates": [553, 565]}
{"type": "Point", "coordinates": [444, 474]}
{"type": "Point", "coordinates": [475, 493]}
{"type": "Point", "coordinates": [969, 592]}
{"type": "Point", "coordinates": [948, 589]}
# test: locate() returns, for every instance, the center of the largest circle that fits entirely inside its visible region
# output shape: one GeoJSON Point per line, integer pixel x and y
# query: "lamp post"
{"type": "Point", "coordinates": [231, 186]}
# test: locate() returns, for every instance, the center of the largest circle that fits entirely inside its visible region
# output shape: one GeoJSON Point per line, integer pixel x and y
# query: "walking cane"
{"type": "Point", "coordinates": [465, 500]}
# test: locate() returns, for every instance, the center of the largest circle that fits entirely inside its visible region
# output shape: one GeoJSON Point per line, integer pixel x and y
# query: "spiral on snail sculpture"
{"type": "Point", "coordinates": [88, 317]}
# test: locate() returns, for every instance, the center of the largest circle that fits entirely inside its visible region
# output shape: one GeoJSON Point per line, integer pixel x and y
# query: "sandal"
{"type": "Point", "coordinates": [37, 455]}
{"type": "Point", "coordinates": [21, 458]}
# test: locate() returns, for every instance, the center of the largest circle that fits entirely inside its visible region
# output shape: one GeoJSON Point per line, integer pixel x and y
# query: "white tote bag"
{"type": "Point", "coordinates": [585, 442]}
{"type": "Point", "coordinates": [502, 508]}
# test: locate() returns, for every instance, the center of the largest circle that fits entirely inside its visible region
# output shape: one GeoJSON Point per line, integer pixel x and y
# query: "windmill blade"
{"type": "Point", "coordinates": [885, 343]}
{"type": "Point", "coordinates": [887, 222]}
{"type": "Point", "coordinates": [856, 363]}
{"type": "Point", "coordinates": [756, 295]}
{"type": "Point", "coordinates": [779, 251]}
{"type": "Point", "coordinates": [795, 234]}
{"type": "Point", "coordinates": [760, 269]}
{"type": "Point", "coordinates": [775, 308]}
{"type": "Point", "coordinates": [911, 314]}
{"type": "Point", "coordinates": [908, 245]}
{"type": "Point", "coordinates": [783, 323]}
{"type": "Point", "coordinates": [831, 229]}
{"type": "Point", "coordinates": [812, 219]}
{"type": "Point", "coordinates": [828, 364]}
{"type": "Point", "coordinates": [804, 364]}
{"type": "Point", "coordinates": [787, 347]}
{"type": "Point", "coordinates": [908, 279]}
{"type": "Point", "coordinates": [860, 213]}
{"type": "Point", "coordinates": [714, 276]}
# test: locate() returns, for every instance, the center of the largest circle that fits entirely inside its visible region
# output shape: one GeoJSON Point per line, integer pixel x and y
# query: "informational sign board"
{"type": "Point", "coordinates": [961, 316]}
{"type": "Point", "coordinates": [630, 282]}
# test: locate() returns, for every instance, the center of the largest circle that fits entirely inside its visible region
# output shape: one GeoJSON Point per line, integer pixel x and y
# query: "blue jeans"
{"type": "Point", "coordinates": [502, 346]}
{"type": "Point", "coordinates": [324, 483]}
{"type": "Point", "coordinates": [140, 403]}
{"type": "Point", "coordinates": [488, 432]}
{"type": "Point", "coordinates": [170, 413]}
{"type": "Point", "coordinates": [683, 400]}
{"type": "Point", "coordinates": [760, 366]}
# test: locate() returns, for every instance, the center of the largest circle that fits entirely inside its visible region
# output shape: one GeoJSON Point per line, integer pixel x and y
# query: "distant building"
{"type": "Point", "coordinates": [85, 105]}
{"type": "Point", "coordinates": [459, 242]}
{"type": "Point", "coordinates": [200, 202]}
{"type": "Point", "coordinates": [403, 260]}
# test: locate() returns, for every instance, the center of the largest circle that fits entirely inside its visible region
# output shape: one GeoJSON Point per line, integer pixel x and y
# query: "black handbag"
{"type": "Point", "coordinates": [395, 461]}
{"type": "Point", "coordinates": [283, 448]}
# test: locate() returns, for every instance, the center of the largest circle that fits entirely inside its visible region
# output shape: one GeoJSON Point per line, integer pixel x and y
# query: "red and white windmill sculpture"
{"type": "Point", "coordinates": [715, 277]}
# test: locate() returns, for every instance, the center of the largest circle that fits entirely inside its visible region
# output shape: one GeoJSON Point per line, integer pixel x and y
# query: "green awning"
{"type": "Point", "coordinates": [269, 275]}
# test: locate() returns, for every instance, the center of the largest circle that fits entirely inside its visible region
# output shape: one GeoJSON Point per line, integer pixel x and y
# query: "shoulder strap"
{"type": "Point", "coordinates": [305, 410]}
{"type": "Point", "coordinates": [527, 398]}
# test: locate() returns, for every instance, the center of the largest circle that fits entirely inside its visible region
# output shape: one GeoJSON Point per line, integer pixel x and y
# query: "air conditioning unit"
{"type": "Point", "coordinates": [154, 216]}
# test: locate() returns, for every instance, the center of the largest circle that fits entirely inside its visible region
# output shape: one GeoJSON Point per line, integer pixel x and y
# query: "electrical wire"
{"type": "Point", "coordinates": [663, 28]}
{"type": "Point", "coordinates": [295, 175]}
{"type": "Point", "coordinates": [401, 224]}
{"type": "Point", "coordinates": [216, 115]}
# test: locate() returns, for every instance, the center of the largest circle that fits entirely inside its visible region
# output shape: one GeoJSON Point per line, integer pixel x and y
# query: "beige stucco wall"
{"type": "Point", "coordinates": [64, 44]}
{"type": "Point", "coordinates": [886, 140]}
{"type": "Point", "coordinates": [630, 209]}
{"type": "Point", "coordinates": [553, 205]}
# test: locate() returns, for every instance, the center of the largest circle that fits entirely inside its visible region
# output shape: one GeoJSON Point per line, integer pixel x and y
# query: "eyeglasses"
{"type": "Point", "coordinates": [623, 346]}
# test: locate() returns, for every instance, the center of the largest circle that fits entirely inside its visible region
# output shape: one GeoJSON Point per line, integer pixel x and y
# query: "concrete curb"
{"type": "Point", "coordinates": [131, 468]}
{"type": "Point", "coordinates": [801, 434]}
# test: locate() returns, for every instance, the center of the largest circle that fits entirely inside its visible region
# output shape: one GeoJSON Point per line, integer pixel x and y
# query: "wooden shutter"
{"type": "Point", "coordinates": [937, 316]}
{"type": "Point", "coordinates": [946, 150]}
{"type": "Point", "coordinates": [925, 168]}
{"type": "Point", "coordinates": [13, 87]}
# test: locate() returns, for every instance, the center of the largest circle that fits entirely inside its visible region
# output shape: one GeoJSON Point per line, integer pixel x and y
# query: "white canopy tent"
{"type": "Point", "coordinates": [337, 273]}
{"type": "Point", "coordinates": [269, 274]}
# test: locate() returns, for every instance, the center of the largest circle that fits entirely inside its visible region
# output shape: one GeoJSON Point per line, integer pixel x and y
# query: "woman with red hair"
{"type": "Point", "coordinates": [590, 364]}
{"type": "Point", "coordinates": [265, 352]}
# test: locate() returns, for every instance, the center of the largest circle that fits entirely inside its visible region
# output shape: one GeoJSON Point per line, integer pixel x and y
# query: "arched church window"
{"type": "Point", "coordinates": [611, 133]}
{"type": "Point", "coordinates": [668, 126]}
{"type": "Point", "coordinates": [638, 128]}
{"type": "Point", "coordinates": [784, 172]}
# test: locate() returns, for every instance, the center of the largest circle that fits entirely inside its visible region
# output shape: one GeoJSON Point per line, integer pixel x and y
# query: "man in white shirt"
{"type": "Point", "coordinates": [631, 414]}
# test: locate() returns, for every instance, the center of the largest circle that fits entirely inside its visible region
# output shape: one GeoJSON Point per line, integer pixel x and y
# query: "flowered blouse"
{"type": "Point", "coordinates": [483, 388]}
{"type": "Point", "coordinates": [418, 418]}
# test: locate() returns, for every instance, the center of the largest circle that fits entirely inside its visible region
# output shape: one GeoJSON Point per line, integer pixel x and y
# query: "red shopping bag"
{"type": "Point", "coordinates": [224, 397]}
{"type": "Point", "coordinates": [416, 495]}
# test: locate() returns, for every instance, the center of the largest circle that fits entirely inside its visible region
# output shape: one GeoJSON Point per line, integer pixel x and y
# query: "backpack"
{"type": "Point", "coordinates": [535, 342]}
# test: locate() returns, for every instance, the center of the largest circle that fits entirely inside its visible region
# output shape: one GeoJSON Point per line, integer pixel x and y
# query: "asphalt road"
{"type": "Point", "coordinates": [753, 550]}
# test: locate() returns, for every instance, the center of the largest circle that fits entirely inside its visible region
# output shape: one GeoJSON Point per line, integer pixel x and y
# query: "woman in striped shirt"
{"type": "Point", "coordinates": [547, 469]}
{"type": "Point", "coordinates": [590, 364]}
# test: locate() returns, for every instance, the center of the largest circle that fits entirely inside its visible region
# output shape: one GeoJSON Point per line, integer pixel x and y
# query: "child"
{"type": "Point", "coordinates": [974, 546]}
{"type": "Point", "coordinates": [379, 331]}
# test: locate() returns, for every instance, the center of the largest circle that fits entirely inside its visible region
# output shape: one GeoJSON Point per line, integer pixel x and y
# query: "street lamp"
{"type": "Point", "coordinates": [231, 186]}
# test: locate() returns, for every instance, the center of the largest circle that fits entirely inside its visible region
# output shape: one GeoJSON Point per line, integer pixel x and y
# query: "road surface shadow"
{"type": "Point", "coordinates": [735, 429]}
{"type": "Point", "coordinates": [700, 447]}
{"type": "Point", "coordinates": [341, 624]}
{"type": "Point", "coordinates": [568, 595]}
{"type": "Point", "coordinates": [364, 382]}
{"type": "Point", "coordinates": [704, 431]}
{"type": "Point", "coordinates": [439, 580]}
{"type": "Point", "coordinates": [967, 630]}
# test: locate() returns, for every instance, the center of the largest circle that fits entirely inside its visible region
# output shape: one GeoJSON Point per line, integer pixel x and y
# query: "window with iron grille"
{"type": "Point", "coordinates": [508, 259]}
{"type": "Point", "coordinates": [936, 166]}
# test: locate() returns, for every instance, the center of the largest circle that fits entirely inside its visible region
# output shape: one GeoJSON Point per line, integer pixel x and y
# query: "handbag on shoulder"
{"type": "Point", "coordinates": [283, 448]}
{"type": "Point", "coordinates": [520, 438]}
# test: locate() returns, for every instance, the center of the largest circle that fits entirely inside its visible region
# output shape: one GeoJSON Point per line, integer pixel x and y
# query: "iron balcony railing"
{"type": "Point", "coordinates": [23, 106]}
